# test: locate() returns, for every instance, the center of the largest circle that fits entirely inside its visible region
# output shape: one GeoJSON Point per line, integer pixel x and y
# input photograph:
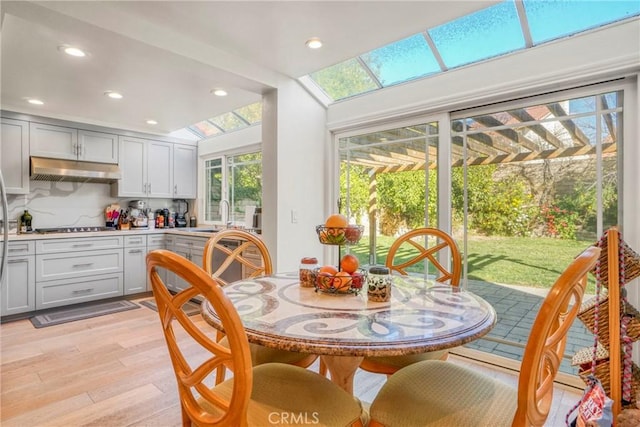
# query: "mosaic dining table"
{"type": "Point", "coordinates": [421, 316]}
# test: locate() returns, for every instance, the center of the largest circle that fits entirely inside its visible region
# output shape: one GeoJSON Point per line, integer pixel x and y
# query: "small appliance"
{"type": "Point", "coordinates": [257, 220]}
{"type": "Point", "coordinates": [181, 212]}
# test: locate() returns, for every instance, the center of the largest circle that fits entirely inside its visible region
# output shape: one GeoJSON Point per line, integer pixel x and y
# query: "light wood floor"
{"type": "Point", "coordinates": [114, 370]}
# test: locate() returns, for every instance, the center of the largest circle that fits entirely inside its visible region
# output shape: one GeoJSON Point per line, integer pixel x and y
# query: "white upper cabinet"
{"type": "Point", "coordinates": [59, 142]}
{"type": "Point", "coordinates": [14, 155]}
{"type": "Point", "coordinates": [184, 171]}
{"type": "Point", "coordinates": [146, 167]}
{"type": "Point", "coordinates": [97, 147]}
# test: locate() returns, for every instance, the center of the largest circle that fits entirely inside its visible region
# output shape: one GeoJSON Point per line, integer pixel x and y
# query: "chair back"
{"type": "Point", "coordinates": [545, 347]}
{"type": "Point", "coordinates": [426, 244]}
{"type": "Point", "coordinates": [251, 265]}
{"type": "Point", "coordinates": [193, 374]}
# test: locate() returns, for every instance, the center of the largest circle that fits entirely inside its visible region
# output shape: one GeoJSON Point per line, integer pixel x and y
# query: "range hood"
{"type": "Point", "coordinates": [44, 169]}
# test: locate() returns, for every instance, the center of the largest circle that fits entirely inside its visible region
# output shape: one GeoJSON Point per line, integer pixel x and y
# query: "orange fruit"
{"type": "Point", "coordinates": [342, 281]}
{"type": "Point", "coordinates": [336, 220]}
{"type": "Point", "coordinates": [329, 269]}
{"type": "Point", "coordinates": [349, 263]}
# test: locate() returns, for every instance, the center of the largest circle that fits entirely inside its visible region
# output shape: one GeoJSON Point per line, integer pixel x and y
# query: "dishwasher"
{"type": "Point", "coordinates": [234, 271]}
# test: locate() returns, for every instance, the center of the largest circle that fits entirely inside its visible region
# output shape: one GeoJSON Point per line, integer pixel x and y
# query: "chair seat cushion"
{"type": "Point", "coordinates": [290, 395]}
{"type": "Point", "coordinates": [437, 393]}
{"type": "Point", "coordinates": [261, 354]}
{"type": "Point", "coordinates": [402, 361]}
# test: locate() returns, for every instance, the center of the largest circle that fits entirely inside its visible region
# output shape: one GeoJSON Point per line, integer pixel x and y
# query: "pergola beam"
{"type": "Point", "coordinates": [510, 134]}
{"type": "Point", "coordinates": [523, 116]}
{"type": "Point", "coordinates": [575, 132]}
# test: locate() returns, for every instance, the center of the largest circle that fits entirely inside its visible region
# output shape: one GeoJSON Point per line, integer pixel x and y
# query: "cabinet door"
{"type": "Point", "coordinates": [97, 147]}
{"type": "Point", "coordinates": [135, 272]}
{"type": "Point", "coordinates": [160, 169]}
{"type": "Point", "coordinates": [133, 166]}
{"type": "Point", "coordinates": [19, 286]}
{"type": "Point", "coordinates": [184, 171]}
{"type": "Point", "coordinates": [56, 142]}
{"type": "Point", "coordinates": [14, 156]}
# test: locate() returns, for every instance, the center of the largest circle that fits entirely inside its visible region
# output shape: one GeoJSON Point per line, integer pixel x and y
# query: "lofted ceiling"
{"type": "Point", "coordinates": [166, 57]}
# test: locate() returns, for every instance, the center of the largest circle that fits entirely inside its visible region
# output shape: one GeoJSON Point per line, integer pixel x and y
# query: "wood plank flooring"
{"type": "Point", "coordinates": [114, 370]}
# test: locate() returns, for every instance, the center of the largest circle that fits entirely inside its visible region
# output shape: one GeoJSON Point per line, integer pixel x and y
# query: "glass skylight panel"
{"type": "Point", "coordinates": [484, 34]}
{"type": "Point", "coordinates": [550, 20]}
{"type": "Point", "coordinates": [251, 113]}
{"type": "Point", "coordinates": [344, 80]}
{"type": "Point", "coordinates": [401, 61]}
{"type": "Point", "coordinates": [228, 122]}
{"type": "Point", "coordinates": [205, 128]}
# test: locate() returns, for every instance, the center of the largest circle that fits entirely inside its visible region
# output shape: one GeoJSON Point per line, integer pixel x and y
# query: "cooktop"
{"type": "Point", "coordinates": [73, 229]}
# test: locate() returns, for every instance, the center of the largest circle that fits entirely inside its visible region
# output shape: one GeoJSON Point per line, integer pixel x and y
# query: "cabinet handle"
{"type": "Point", "coordinates": [79, 149]}
{"type": "Point", "coordinates": [175, 189]}
{"type": "Point", "coordinates": [74, 148]}
{"type": "Point", "coordinates": [82, 245]}
{"type": "Point", "coordinates": [15, 261]}
{"type": "Point", "coordinates": [82, 291]}
{"type": "Point", "coordinates": [86, 264]}
{"type": "Point", "coordinates": [149, 188]}
{"type": "Point", "coordinates": [135, 251]}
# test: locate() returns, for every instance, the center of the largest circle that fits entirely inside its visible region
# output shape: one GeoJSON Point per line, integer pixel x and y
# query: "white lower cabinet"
{"type": "Point", "coordinates": [70, 271]}
{"type": "Point", "coordinates": [156, 241]}
{"type": "Point", "coordinates": [135, 273]}
{"type": "Point", "coordinates": [191, 248]}
{"type": "Point", "coordinates": [19, 284]}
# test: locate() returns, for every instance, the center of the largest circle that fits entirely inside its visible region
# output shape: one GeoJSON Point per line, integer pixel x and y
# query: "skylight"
{"type": "Point", "coordinates": [500, 29]}
{"type": "Point", "coordinates": [240, 118]}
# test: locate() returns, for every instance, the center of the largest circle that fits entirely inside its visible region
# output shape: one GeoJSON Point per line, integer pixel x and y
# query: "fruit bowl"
{"type": "Point", "coordinates": [349, 235]}
{"type": "Point", "coordinates": [339, 283]}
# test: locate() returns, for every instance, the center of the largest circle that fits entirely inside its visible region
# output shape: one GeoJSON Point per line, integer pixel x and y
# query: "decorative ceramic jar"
{"type": "Point", "coordinates": [379, 284]}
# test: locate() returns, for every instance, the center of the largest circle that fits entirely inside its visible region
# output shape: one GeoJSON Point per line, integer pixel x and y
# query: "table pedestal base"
{"type": "Point", "coordinates": [342, 370]}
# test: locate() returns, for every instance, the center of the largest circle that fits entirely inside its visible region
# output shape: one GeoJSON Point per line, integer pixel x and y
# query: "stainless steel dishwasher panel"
{"type": "Point", "coordinates": [234, 271]}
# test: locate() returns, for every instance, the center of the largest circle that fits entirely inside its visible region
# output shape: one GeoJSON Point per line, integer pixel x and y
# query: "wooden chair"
{"type": "Point", "coordinates": [422, 244]}
{"type": "Point", "coordinates": [254, 267]}
{"type": "Point", "coordinates": [257, 396]}
{"type": "Point", "coordinates": [437, 393]}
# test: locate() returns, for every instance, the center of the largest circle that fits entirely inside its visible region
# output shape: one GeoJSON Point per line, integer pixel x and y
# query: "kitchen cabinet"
{"type": "Point", "coordinates": [60, 142]}
{"type": "Point", "coordinates": [156, 241]}
{"type": "Point", "coordinates": [185, 160]}
{"type": "Point", "coordinates": [135, 268]}
{"type": "Point", "coordinates": [18, 287]}
{"type": "Point", "coordinates": [253, 255]}
{"type": "Point", "coordinates": [75, 270]}
{"type": "Point", "coordinates": [147, 168]}
{"type": "Point", "coordinates": [190, 248]}
{"type": "Point", "coordinates": [14, 155]}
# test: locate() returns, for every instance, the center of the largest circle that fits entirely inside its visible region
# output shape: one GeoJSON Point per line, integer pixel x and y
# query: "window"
{"type": "Point", "coordinates": [233, 188]}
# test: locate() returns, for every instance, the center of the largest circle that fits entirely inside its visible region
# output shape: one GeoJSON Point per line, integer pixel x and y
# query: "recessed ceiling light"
{"type": "Point", "coordinates": [219, 92]}
{"type": "Point", "coordinates": [113, 95]}
{"type": "Point", "coordinates": [152, 122]}
{"type": "Point", "coordinates": [314, 43]}
{"type": "Point", "coordinates": [35, 102]}
{"type": "Point", "coordinates": [73, 51]}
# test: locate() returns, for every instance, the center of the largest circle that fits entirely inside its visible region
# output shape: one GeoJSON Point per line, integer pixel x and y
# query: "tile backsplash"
{"type": "Point", "coordinates": [70, 204]}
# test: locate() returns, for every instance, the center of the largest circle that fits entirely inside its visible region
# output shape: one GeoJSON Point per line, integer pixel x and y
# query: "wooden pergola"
{"type": "Point", "coordinates": [508, 137]}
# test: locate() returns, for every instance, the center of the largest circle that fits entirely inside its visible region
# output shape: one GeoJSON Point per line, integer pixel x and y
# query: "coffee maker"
{"type": "Point", "coordinates": [182, 207]}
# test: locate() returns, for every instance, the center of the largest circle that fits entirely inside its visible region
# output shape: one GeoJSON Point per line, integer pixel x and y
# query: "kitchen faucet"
{"type": "Point", "coordinates": [228, 217]}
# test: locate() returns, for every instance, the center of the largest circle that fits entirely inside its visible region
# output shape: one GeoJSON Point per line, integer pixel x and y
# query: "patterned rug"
{"type": "Point", "coordinates": [190, 308]}
{"type": "Point", "coordinates": [86, 311]}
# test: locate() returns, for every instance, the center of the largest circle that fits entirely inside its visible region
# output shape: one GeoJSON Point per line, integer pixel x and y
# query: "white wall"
{"type": "Point", "coordinates": [294, 159]}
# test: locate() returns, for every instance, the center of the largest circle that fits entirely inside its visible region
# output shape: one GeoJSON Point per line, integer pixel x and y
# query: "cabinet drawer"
{"type": "Point", "coordinates": [78, 264]}
{"type": "Point", "coordinates": [83, 244]}
{"type": "Point", "coordinates": [156, 240]}
{"type": "Point", "coordinates": [135, 241]}
{"type": "Point", "coordinates": [71, 291]}
{"type": "Point", "coordinates": [20, 248]}
{"type": "Point", "coordinates": [190, 244]}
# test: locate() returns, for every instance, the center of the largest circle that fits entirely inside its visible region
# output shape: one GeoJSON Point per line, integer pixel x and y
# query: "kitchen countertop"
{"type": "Point", "coordinates": [187, 231]}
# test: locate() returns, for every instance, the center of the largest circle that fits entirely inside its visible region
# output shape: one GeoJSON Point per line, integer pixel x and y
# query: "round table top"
{"type": "Point", "coordinates": [421, 316]}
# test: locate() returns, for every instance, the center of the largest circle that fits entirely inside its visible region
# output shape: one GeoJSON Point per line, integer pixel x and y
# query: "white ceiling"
{"type": "Point", "coordinates": [166, 57]}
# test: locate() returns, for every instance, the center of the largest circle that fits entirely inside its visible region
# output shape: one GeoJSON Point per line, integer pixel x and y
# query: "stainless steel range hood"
{"type": "Point", "coordinates": [43, 169]}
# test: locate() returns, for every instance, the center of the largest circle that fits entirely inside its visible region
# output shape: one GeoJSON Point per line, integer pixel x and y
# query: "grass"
{"type": "Point", "coordinates": [535, 262]}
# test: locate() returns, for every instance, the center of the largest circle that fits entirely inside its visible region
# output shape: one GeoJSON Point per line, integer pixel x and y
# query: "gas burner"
{"type": "Point", "coordinates": [73, 230]}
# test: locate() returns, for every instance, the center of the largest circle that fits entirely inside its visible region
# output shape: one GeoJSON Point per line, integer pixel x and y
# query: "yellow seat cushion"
{"type": "Point", "coordinates": [261, 354]}
{"type": "Point", "coordinates": [437, 393]}
{"type": "Point", "coordinates": [290, 395]}
{"type": "Point", "coordinates": [402, 361]}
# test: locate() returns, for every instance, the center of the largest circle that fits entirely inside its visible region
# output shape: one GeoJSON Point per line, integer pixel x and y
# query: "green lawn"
{"type": "Point", "coordinates": [535, 262]}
